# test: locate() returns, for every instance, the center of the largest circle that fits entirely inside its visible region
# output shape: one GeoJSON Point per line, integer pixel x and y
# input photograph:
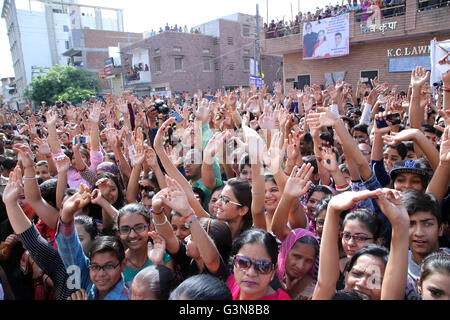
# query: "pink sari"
{"type": "Point", "coordinates": [286, 246]}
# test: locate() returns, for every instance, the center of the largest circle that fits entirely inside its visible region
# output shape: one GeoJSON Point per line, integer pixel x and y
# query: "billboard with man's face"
{"type": "Point", "coordinates": [326, 38]}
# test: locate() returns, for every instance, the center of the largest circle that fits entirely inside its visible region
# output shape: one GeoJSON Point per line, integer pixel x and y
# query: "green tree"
{"type": "Point", "coordinates": [62, 83]}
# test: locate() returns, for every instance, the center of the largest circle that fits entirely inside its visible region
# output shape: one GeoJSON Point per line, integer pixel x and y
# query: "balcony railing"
{"type": "Point", "coordinates": [397, 8]}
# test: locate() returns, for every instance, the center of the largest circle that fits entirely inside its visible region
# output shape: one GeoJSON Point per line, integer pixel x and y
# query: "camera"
{"type": "Point", "coordinates": [161, 106]}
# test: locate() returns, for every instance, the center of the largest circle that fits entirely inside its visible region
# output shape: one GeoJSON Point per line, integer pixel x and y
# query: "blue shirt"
{"type": "Point", "coordinates": [77, 264]}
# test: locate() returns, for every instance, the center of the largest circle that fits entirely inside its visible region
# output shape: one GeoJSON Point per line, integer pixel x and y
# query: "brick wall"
{"type": "Point", "coordinates": [363, 57]}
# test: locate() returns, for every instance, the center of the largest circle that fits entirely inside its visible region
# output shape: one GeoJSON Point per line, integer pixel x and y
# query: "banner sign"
{"type": "Point", "coordinates": [258, 81]}
{"type": "Point", "coordinates": [326, 38]}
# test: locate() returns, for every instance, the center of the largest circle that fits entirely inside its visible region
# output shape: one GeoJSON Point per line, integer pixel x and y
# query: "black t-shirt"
{"type": "Point", "coordinates": [188, 267]}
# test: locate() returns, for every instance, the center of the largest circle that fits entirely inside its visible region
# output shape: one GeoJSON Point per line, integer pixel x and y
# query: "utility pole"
{"type": "Point", "coordinates": [257, 48]}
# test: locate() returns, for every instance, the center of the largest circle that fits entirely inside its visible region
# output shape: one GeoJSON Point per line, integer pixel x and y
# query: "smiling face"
{"type": "Point", "coordinates": [102, 279]}
{"type": "Point", "coordinates": [213, 202]}
{"type": "Point", "coordinates": [253, 285]}
{"type": "Point", "coordinates": [313, 200]}
{"type": "Point", "coordinates": [42, 172]}
{"type": "Point", "coordinates": [272, 196]}
{"type": "Point", "coordinates": [133, 240]}
{"type": "Point", "coordinates": [366, 276]}
{"type": "Point", "coordinates": [229, 211]}
{"type": "Point", "coordinates": [109, 191]}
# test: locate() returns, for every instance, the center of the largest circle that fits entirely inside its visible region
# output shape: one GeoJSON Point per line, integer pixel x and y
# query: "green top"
{"type": "Point", "coordinates": [129, 274]}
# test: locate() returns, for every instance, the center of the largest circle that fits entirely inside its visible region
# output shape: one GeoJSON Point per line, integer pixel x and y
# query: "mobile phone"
{"type": "Point", "coordinates": [81, 140]}
{"type": "Point", "coordinates": [177, 116]}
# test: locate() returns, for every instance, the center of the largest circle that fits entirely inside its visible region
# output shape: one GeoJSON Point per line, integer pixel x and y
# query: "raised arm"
{"type": "Point", "coordinates": [438, 185]}
{"type": "Point", "coordinates": [419, 77]}
{"type": "Point", "coordinates": [49, 214]}
{"type": "Point", "coordinates": [177, 200]}
{"type": "Point", "coordinates": [297, 185]}
{"type": "Point", "coordinates": [396, 272]}
{"type": "Point", "coordinates": [329, 248]}
{"type": "Point", "coordinates": [173, 172]}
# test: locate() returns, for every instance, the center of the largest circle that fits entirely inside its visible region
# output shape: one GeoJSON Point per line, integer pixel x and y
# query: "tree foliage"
{"type": "Point", "coordinates": [62, 83]}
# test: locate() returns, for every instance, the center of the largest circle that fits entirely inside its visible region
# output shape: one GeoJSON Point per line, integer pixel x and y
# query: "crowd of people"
{"type": "Point", "coordinates": [322, 193]}
{"type": "Point", "coordinates": [365, 10]}
{"type": "Point", "coordinates": [175, 28]}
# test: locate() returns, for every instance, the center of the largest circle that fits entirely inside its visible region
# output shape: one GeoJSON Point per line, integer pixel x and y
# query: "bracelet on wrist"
{"type": "Point", "coordinates": [187, 225]}
{"type": "Point", "coordinates": [29, 178]}
{"type": "Point", "coordinates": [160, 224]}
{"type": "Point", "coordinates": [156, 213]}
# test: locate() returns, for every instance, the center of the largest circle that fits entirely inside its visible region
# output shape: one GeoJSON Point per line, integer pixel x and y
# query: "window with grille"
{"type": "Point", "coordinates": [178, 63]}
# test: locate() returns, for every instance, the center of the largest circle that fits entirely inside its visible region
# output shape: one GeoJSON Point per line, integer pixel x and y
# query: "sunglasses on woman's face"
{"type": "Point", "coordinates": [260, 266]}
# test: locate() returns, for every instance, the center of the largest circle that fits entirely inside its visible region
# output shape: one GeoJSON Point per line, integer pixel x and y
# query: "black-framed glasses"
{"type": "Point", "coordinates": [356, 237]}
{"type": "Point", "coordinates": [107, 268]}
{"type": "Point", "coordinates": [226, 201]}
{"type": "Point", "coordinates": [139, 228]}
{"type": "Point", "coordinates": [260, 266]}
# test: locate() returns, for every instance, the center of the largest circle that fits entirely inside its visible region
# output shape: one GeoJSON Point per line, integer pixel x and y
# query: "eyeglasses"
{"type": "Point", "coordinates": [260, 266]}
{"type": "Point", "coordinates": [320, 222]}
{"type": "Point", "coordinates": [139, 228]}
{"type": "Point", "coordinates": [356, 237]}
{"type": "Point", "coordinates": [226, 201]}
{"type": "Point", "coordinates": [107, 268]}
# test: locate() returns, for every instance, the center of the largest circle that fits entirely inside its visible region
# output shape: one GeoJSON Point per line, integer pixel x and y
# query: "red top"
{"type": "Point", "coordinates": [235, 290]}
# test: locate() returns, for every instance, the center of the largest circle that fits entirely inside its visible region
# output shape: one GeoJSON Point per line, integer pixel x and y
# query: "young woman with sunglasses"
{"type": "Point", "coordinates": [133, 224]}
{"type": "Point", "coordinates": [255, 254]}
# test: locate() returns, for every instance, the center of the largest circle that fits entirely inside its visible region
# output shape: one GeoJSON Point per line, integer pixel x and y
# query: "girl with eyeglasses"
{"type": "Point", "coordinates": [359, 229]}
{"type": "Point", "coordinates": [207, 247]}
{"type": "Point", "coordinates": [255, 254]}
{"type": "Point", "coordinates": [373, 272]}
{"type": "Point", "coordinates": [133, 225]}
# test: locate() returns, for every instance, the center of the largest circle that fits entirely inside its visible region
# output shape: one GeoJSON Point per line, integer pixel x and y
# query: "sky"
{"type": "Point", "coordinates": [145, 15]}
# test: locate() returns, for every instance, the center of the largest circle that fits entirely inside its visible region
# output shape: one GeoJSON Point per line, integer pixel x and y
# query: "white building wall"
{"type": "Point", "coordinates": [34, 38]}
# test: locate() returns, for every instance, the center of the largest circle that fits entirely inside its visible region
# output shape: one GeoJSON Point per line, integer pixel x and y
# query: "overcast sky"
{"type": "Point", "coordinates": [140, 16]}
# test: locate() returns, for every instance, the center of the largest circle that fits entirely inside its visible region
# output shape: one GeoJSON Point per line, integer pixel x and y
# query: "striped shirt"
{"type": "Point", "coordinates": [48, 259]}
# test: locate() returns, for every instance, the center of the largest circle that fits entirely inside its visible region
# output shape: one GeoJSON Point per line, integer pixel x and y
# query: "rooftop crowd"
{"type": "Point", "coordinates": [321, 193]}
{"type": "Point", "coordinates": [366, 10]}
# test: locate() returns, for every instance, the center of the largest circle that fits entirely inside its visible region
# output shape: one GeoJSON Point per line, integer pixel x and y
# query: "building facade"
{"type": "Point", "coordinates": [218, 57]}
{"type": "Point", "coordinates": [390, 53]}
{"type": "Point", "coordinates": [39, 33]}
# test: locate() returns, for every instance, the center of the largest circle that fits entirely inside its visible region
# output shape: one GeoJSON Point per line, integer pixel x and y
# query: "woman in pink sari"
{"type": "Point", "coordinates": [297, 264]}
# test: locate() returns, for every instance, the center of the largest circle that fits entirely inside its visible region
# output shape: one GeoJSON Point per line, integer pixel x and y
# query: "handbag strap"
{"type": "Point", "coordinates": [9, 295]}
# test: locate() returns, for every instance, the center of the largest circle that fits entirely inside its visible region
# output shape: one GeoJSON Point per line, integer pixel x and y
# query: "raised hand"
{"type": "Point", "coordinates": [323, 118]}
{"type": "Point", "coordinates": [62, 163]}
{"type": "Point", "coordinates": [419, 77]}
{"type": "Point", "coordinates": [404, 135]}
{"type": "Point", "coordinates": [176, 197]}
{"type": "Point", "coordinates": [76, 202]}
{"type": "Point", "coordinates": [328, 159]}
{"type": "Point", "coordinates": [25, 155]}
{"type": "Point", "coordinates": [156, 251]}
{"type": "Point", "coordinates": [51, 117]}
{"type": "Point", "coordinates": [445, 147]}
{"type": "Point", "coordinates": [43, 146]}
{"type": "Point", "coordinates": [203, 109]}
{"type": "Point", "coordinates": [78, 295]}
{"type": "Point", "coordinates": [299, 181]}
{"type": "Point", "coordinates": [348, 200]}
{"type": "Point", "coordinates": [13, 189]}
{"type": "Point", "coordinates": [268, 118]}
